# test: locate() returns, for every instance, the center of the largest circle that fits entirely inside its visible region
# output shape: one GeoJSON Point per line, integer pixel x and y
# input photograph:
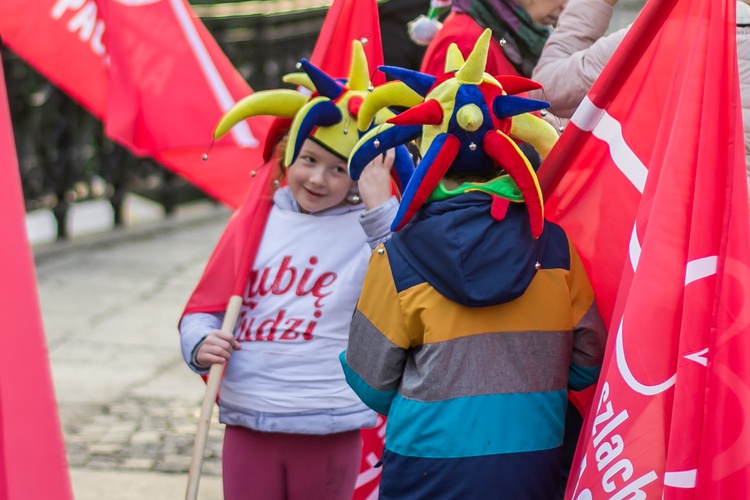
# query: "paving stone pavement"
{"type": "Point", "coordinates": [137, 434]}
{"type": "Point", "coordinates": [127, 402]}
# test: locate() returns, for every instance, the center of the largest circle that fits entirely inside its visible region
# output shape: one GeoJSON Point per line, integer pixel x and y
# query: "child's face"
{"type": "Point", "coordinates": [318, 179]}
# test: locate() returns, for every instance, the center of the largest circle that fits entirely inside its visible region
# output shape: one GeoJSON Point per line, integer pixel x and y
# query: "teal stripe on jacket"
{"type": "Point", "coordinates": [581, 377]}
{"type": "Point", "coordinates": [380, 401]}
{"type": "Point", "coordinates": [476, 425]}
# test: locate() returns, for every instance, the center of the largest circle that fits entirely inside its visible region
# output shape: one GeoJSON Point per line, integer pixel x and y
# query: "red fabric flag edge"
{"type": "Point", "coordinates": [30, 432]}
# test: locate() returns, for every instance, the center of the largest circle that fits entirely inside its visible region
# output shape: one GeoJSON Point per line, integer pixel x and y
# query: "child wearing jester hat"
{"type": "Point", "coordinates": [476, 316]}
{"type": "Point", "coordinates": [292, 423]}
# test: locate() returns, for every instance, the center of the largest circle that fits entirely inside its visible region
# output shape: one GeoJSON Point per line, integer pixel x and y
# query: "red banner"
{"type": "Point", "coordinates": [344, 22]}
{"type": "Point", "coordinates": [152, 72]}
{"type": "Point", "coordinates": [32, 453]}
{"type": "Point", "coordinates": [655, 198]}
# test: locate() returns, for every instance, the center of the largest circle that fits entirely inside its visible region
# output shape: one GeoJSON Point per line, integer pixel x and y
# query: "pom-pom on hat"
{"type": "Point", "coordinates": [424, 28]}
{"type": "Point", "coordinates": [465, 121]}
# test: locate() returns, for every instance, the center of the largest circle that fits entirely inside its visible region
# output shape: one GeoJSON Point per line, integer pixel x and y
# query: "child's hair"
{"type": "Point", "coordinates": [279, 152]}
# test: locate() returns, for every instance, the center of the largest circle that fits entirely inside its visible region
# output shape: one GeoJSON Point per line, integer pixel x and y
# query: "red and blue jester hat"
{"type": "Point", "coordinates": [466, 121]}
{"type": "Point", "coordinates": [327, 114]}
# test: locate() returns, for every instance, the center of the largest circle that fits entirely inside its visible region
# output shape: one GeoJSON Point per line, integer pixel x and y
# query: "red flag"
{"type": "Point", "coordinates": [229, 266]}
{"type": "Point", "coordinates": [655, 199]}
{"type": "Point", "coordinates": [152, 72]}
{"type": "Point", "coordinates": [346, 21]}
{"type": "Point", "coordinates": [32, 453]}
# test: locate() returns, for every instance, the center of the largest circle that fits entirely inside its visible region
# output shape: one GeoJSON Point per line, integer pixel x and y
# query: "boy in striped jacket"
{"type": "Point", "coordinates": [477, 316]}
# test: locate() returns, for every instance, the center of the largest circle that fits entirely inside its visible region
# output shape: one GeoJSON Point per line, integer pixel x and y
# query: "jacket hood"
{"type": "Point", "coordinates": [468, 256]}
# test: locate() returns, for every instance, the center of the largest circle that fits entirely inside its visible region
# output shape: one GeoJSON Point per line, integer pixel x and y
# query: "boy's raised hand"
{"type": "Point", "coordinates": [217, 347]}
{"type": "Point", "coordinates": [375, 181]}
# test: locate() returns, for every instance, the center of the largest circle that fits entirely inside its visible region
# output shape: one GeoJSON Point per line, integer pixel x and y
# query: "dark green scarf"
{"type": "Point", "coordinates": [509, 21]}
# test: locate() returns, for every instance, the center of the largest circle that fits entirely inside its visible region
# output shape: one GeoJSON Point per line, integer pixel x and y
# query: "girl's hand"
{"type": "Point", "coordinates": [375, 181]}
{"type": "Point", "coordinates": [217, 347]}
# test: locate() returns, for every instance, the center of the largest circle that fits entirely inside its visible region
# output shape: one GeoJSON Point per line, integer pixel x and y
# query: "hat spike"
{"type": "Point", "coordinates": [377, 141]}
{"type": "Point", "coordinates": [318, 112]}
{"type": "Point", "coordinates": [426, 177]}
{"type": "Point", "coordinates": [505, 106]}
{"type": "Point", "coordinates": [513, 84]}
{"type": "Point", "coordinates": [403, 167]}
{"type": "Point", "coordinates": [472, 70]}
{"type": "Point", "coordinates": [506, 153]}
{"type": "Point", "coordinates": [359, 75]}
{"type": "Point", "coordinates": [300, 79]}
{"type": "Point", "coordinates": [420, 83]}
{"type": "Point", "coordinates": [428, 113]}
{"type": "Point", "coordinates": [283, 103]}
{"type": "Point", "coordinates": [389, 94]}
{"type": "Point", "coordinates": [324, 84]}
{"type": "Point", "coordinates": [454, 59]}
{"type": "Point", "coordinates": [535, 131]}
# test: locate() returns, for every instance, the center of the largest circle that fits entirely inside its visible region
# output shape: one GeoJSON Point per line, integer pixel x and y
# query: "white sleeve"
{"type": "Point", "coordinates": [377, 222]}
{"type": "Point", "coordinates": [193, 329]}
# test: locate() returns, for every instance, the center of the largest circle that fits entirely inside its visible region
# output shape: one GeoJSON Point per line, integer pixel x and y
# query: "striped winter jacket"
{"type": "Point", "coordinates": [467, 335]}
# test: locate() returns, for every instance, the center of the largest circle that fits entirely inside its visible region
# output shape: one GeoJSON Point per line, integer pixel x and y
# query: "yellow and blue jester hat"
{"type": "Point", "coordinates": [465, 121]}
{"type": "Point", "coordinates": [327, 114]}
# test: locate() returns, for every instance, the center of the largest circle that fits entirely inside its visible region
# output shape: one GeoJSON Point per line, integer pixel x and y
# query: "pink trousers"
{"type": "Point", "coordinates": [275, 466]}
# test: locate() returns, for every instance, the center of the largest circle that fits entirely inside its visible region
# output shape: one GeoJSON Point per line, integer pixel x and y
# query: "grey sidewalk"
{"type": "Point", "coordinates": [127, 402]}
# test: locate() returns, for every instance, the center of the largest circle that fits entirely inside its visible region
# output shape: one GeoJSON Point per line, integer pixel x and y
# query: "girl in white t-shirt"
{"type": "Point", "coordinates": [292, 422]}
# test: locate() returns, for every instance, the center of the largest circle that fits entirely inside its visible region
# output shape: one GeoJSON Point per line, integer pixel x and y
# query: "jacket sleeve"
{"type": "Point", "coordinates": [378, 341]}
{"type": "Point", "coordinates": [376, 222]}
{"type": "Point", "coordinates": [589, 331]}
{"type": "Point", "coordinates": [194, 328]}
{"type": "Point", "coordinates": [575, 55]}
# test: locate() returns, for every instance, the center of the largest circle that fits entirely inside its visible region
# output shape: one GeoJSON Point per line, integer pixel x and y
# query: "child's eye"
{"type": "Point", "coordinates": [340, 170]}
{"type": "Point", "coordinates": [308, 159]}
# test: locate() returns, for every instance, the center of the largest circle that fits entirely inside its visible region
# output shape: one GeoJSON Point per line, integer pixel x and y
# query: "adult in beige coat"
{"type": "Point", "coordinates": [577, 51]}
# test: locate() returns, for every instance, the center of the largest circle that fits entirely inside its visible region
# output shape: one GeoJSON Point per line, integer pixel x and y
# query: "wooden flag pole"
{"type": "Point", "coordinates": [209, 399]}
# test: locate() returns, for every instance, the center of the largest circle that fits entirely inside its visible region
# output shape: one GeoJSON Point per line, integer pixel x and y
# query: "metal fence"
{"type": "Point", "coordinates": [64, 157]}
{"type": "Point", "coordinates": [265, 39]}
